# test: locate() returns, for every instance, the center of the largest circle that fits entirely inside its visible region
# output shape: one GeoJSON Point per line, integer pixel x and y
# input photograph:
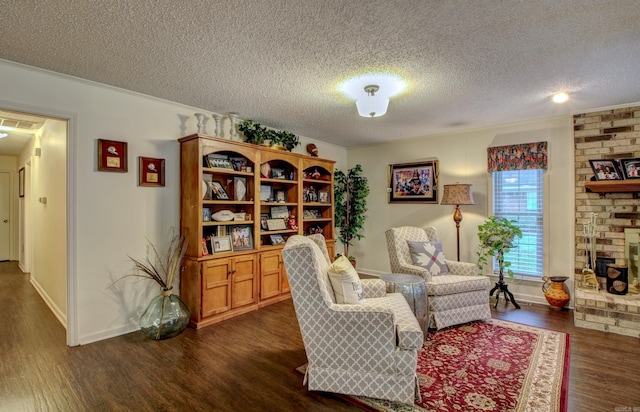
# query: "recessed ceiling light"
{"type": "Point", "coordinates": [560, 97]}
{"type": "Point", "coordinates": [3, 135]}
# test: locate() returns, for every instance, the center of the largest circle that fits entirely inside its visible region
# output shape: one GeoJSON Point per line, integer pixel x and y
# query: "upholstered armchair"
{"type": "Point", "coordinates": [365, 349]}
{"type": "Point", "coordinates": [457, 294]}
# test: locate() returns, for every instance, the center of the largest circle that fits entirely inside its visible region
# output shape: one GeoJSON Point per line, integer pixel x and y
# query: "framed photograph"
{"type": "Point", "coordinates": [324, 196]}
{"type": "Point", "coordinates": [239, 164]}
{"type": "Point", "coordinates": [263, 221]}
{"type": "Point", "coordinates": [205, 249]}
{"type": "Point", "coordinates": [265, 193]}
{"type": "Point", "coordinates": [277, 173]}
{"type": "Point", "coordinates": [150, 171]}
{"type": "Point", "coordinates": [239, 188]}
{"type": "Point", "coordinates": [239, 216]}
{"type": "Point", "coordinates": [21, 182]}
{"type": "Point", "coordinates": [221, 244]}
{"type": "Point", "coordinates": [112, 156]}
{"type": "Point", "coordinates": [206, 214]}
{"type": "Point", "coordinates": [631, 168]}
{"type": "Point", "coordinates": [414, 182]}
{"type": "Point", "coordinates": [217, 191]}
{"type": "Point", "coordinates": [242, 237]}
{"type": "Point", "coordinates": [276, 224]}
{"type": "Point", "coordinates": [220, 161]}
{"type": "Point", "coordinates": [311, 214]}
{"type": "Point", "coordinates": [280, 196]}
{"type": "Point", "coordinates": [279, 212]}
{"type": "Point", "coordinates": [276, 239]}
{"type": "Point", "coordinates": [606, 169]}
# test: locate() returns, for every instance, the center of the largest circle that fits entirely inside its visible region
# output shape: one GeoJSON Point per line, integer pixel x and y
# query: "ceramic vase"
{"type": "Point", "coordinates": [165, 317]}
{"type": "Point", "coordinates": [553, 289]}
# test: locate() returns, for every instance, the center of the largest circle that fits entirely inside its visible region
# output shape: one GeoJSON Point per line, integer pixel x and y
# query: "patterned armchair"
{"type": "Point", "coordinates": [459, 296]}
{"type": "Point", "coordinates": [364, 350]}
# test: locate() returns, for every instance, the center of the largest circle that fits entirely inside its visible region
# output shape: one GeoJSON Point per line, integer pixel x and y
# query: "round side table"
{"type": "Point", "coordinates": [414, 290]}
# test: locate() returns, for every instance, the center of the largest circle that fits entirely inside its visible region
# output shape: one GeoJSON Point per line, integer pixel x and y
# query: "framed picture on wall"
{"type": "Point", "coordinates": [606, 169]}
{"type": "Point", "coordinates": [150, 171]}
{"type": "Point", "coordinates": [21, 182]}
{"type": "Point", "coordinates": [414, 182]}
{"type": "Point", "coordinates": [112, 156]}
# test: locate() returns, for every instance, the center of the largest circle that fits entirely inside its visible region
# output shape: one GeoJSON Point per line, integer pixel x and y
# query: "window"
{"type": "Point", "coordinates": [517, 195]}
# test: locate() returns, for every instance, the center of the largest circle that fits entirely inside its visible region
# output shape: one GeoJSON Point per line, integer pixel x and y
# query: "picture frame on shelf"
{"type": "Point", "coordinates": [221, 244]}
{"type": "Point", "coordinates": [112, 156]}
{"type": "Point", "coordinates": [240, 188]}
{"type": "Point", "coordinates": [219, 161]}
{"type": "Point", "coordinates": [266, 193]}
{"type": "Point", "coordinates": [276, 224]}
{"type": "Point", "coordinates": [150, 171]}
{"type": "Point", "coordinates": [324, 196]}
{"type": "Point", "coordinates": [279, 212]}
{"type": "Point", "coordinates": [276, 239]}
{"type": "Point", "coordinates": [311, 214]}
{"type": "Point", "coordinates": [414, 182]}
{"type": "Point", "coordinates": [239, 216]}
{"type": "Point", "coordinates": [206, 214]}
{"type": "Point", "coordinates": [239, 164]}
{"type": "Point", "coordinates": [205, 248]}
{"type": "Point", "coordinates": [217, 191]}
{"type": "Point", "coordinates": [605, 169]}
{"type": "Point", "coordinates": [263, 221]}
{"type": "Point", "coordinates": [280, 196]}
{"type": "Point", "coordinates": [630, 168]}
{"type": "Point", "coordinates": [242, 237]}
{"type": "Point", "coordinates": [278, 173]}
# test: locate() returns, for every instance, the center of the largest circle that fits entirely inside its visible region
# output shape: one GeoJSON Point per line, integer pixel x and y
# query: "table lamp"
{"type": "Point", "coordinates": [457, 194]}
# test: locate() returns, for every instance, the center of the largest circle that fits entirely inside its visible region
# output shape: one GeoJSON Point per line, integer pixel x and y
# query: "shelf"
{"type": "Point", "coordinates": [613, 186]}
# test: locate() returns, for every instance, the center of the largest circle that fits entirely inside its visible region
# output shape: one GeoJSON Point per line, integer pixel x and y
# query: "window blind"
{"type": "Point", "coordinates": [518, 195]}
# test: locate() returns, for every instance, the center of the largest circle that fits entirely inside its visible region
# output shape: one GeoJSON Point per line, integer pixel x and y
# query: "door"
{"type": "Point", "coordinates": [5, 192]}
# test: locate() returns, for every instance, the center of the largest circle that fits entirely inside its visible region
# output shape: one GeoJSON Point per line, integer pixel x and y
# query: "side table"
{"type": "Point", "coordinates": [414, 290]}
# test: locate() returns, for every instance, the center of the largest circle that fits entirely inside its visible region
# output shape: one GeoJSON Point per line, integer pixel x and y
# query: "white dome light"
{"type": "Point", "coordinates": [560, 97]}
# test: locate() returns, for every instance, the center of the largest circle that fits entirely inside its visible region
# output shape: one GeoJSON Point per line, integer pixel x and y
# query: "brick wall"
{"type": "Point", "coordinates": [610, 134]}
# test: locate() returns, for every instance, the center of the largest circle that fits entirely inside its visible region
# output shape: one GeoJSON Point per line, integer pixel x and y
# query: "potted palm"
{"type": "Point", "coordinates": [350, 193]}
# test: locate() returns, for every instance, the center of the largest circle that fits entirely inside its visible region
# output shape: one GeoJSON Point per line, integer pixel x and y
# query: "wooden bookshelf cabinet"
{"type": "Point", "coordinates": [234, 265]}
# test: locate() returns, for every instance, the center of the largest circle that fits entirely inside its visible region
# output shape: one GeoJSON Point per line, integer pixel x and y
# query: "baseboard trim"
{"type": "Point", "coordinates": [59, 314]}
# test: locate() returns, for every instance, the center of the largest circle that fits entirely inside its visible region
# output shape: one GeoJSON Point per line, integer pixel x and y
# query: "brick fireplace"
{"type": "Point", "coordinates": [610, 134]}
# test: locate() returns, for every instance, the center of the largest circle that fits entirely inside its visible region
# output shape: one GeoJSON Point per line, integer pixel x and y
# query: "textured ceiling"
{"type": "Point", "coordinates": [467, 63]}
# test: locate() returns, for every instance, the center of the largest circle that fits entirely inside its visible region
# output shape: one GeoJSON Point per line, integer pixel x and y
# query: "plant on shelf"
{"type": "Point", "coordinates": [254, 132]}
{"type": "Point", "coordinates": [350, 194]}
{"type": "Point", "coordinates": [286, 139]}
{"type": "Point", "coordinates": [166, 316]}
{"type": "Point", "coordinates": [496, 237]}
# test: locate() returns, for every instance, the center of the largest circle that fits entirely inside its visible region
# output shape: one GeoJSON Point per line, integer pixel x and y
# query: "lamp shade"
{"type": "Point", "coordinates": [457, 194]}
{"type": "Point", "coordinates": [372, 106]}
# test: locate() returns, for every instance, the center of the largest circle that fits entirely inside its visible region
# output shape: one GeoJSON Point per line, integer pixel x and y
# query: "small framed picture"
{"type": "Point", "coordinates": [279, 212]}
{"type": "Point", "coordinates": [240, 188]}
{"type": "Point", "coordinates": [323, 196]}
{"type": "Point", "coordinates": [280, 196]}
{"type": "Point", "coordinates": [263, 221]}
{"type": "Point", "coordinates": [220, 161]}
{"type": "Point", "coordinates": [112, 156]}
{"type": "Point", "coordinates": [277, 173]}
{"type": "Point", "coordinates": [239, 164]}
{"type": "Point", "coordinates": [205, 249]}
{"type": "Point", "coordinates": [206, 214]}
{"type": "Point", "coordinates": [631, 168]}
{"type": "Point", "coordinates": [605, 169]}
{"type": "Point", "coordinates": [150, 171]}
{"type": "Point", "coordinates": [221, 244]}
{"type": "Point", "coordinates": [276, 239]}
{"type": "Point", "coordinates": [217, 191]}
{"type": "Point", "coordinates": [276, 224]}
{"type": "Point", "coordinates": [242, 238]}
{"type": "Point", "coordinates": [265, 193]}
{"type": "Point", "coordinates": [239, 216]}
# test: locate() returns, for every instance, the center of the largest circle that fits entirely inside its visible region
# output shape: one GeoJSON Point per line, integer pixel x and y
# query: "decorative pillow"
{"type": "Point", "coordinates": [429, 256]}
{"type": "Point", "coordinates": [345, 282]}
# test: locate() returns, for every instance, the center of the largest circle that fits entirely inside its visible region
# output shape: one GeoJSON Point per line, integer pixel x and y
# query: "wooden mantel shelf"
{"type": "Point", "coordinates": [613, 186]}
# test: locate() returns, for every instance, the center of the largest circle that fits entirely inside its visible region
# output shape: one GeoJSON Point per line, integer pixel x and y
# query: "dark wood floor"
{"type": "Point", "coordinates": [243, 364]}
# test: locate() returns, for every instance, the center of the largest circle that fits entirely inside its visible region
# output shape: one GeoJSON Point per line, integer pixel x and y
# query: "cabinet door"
{"type": "Point", "coordinates": [216, 286]}
{"type": "Point", "coordinates": [270, 271]}
{"type": "Point", "coordinates": [244, 281]}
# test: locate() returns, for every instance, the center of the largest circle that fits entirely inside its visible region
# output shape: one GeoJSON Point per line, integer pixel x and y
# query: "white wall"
{"type": "Point", "coordinates": [114, 215]}
{"type": "Point", "coordinates": [462, 158]}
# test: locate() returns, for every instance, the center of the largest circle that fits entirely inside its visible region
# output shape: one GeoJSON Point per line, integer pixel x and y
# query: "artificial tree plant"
{"type": "Point", "coordinates": [496, 236]}
{"type": "Point", "coordinates": [350, 194]}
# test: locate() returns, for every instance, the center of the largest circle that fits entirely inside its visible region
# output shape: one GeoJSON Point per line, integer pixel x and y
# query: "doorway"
{"type": "Point", "coordinates": [5, 216]}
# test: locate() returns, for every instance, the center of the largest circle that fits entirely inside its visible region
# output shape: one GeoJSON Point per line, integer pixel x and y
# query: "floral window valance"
{"type": "Point", "coordinates": [525, 156]}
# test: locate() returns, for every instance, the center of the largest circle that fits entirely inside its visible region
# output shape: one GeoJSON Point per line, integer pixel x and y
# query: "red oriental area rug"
{"type": "Point", "coordinates": [487, 366]}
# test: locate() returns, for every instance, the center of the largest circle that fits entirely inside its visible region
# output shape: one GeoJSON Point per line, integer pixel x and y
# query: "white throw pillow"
{"type": "Point", "coordinates": [345, 282]}
{"type": "Point", "coordinates": [429, 256]}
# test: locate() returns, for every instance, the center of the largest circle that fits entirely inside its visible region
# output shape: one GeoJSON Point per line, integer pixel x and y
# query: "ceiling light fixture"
{"type": "Point", "coordinates": [3, 135]}
{"type": "Point", "coordinates": [560, 97]}
{"type": "Point", "coordinates": [372, 105]}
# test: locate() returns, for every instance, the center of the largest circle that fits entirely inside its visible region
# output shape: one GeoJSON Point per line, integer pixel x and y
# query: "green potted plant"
{"type": "Point", "coordinates": [254, 132]}
{"type": "Point", "coordinates": [350, 193]}
{"type": "Point", "coordinates": [496, 237]}
{"type": "Point", "coordinates": [286, 139]}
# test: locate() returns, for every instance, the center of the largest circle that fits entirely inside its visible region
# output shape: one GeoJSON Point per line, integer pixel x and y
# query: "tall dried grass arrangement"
{"type": "Point", "coordinates": [165, 268]}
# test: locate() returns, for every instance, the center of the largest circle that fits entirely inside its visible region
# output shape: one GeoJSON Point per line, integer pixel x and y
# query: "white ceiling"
{"type": "Point", "coordinates": [468, 63]}
{"type": "Point", "coordinates": [23, 127]}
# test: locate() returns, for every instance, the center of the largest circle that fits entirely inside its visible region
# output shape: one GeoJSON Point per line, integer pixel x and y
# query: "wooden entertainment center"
{"type": "Point", "coordinates": [234, 266]}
